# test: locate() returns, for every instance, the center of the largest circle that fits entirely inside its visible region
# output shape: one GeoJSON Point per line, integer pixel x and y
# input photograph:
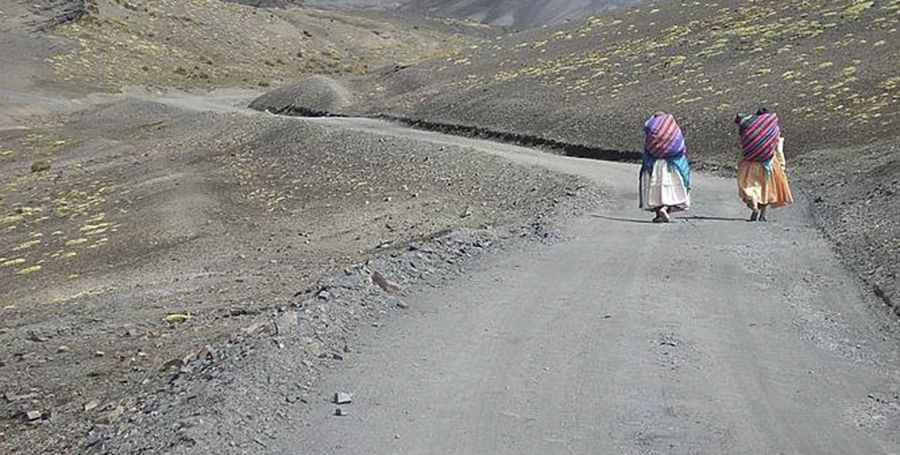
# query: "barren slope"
{"type": "Point", "coordinates": [831, 69]}
{"type": "Point", "coordinates": [511, 13]}
{"type": "Point", "coordinates": [214, 44]}
{"type": "Point", "coordinates": [149, 210]}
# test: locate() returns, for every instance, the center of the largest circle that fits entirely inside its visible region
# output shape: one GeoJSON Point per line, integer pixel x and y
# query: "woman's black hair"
{"type": "Point", "coordinates": [762, 111]}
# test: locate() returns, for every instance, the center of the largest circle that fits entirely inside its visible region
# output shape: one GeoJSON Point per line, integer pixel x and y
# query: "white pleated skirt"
{"type": "Point", "coordinates": [663, 188]}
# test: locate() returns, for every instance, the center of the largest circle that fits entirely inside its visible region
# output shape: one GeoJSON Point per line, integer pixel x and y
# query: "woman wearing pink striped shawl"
{"type": "Point", "coordinates": [665, 178]}
{"type": "Point", "coordinates": [761, 176]}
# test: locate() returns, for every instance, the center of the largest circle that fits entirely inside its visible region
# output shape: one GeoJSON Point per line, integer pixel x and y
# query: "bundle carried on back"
{"type": "Point", "coordinates": [663, 138]}
{"type": "Point", "coordinates": [759, 135]}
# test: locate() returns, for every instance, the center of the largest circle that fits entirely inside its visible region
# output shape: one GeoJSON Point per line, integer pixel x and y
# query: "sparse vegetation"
{"type": "Point", "coordinates": [205, 44]}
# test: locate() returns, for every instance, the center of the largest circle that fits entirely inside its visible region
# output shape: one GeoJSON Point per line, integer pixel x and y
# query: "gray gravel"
{"type": "Point", "coordinates": [709, 335]}
{"type": "Point", "coordinates": [218, 219]}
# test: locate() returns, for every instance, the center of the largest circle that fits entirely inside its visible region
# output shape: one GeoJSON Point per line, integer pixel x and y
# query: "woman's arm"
{"type": "Point", "coordinates": [779, 153]}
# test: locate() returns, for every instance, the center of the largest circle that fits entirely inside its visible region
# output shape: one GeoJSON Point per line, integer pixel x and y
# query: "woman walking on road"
{"type": "Point", "coordinates": [665, 178]}
{"type": "Point", "coordinates": [762, 181]}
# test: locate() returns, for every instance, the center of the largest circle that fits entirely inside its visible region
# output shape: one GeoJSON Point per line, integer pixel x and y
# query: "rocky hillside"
{"type": "Point", "coordinates": [831, 69]}
{"type": "Point", "coordinates": [509, 13]}
{"type": "Point", "coordinates": [513, 13]}
{"type": "Point", "coordinates": [198, 43]}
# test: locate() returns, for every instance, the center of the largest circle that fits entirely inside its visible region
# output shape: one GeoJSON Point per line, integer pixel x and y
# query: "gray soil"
{"type": "Point", "coordinates": [749, 338]}
{"type": "Point", "coordinates": [854, 193]}
{"type": "Point", "coordinates": [315, 94]}
{"type": "Point", "coordinates": [710, 335]}
{"type": "Point", "coordinates": [507, 13]}
{"type": "Point", "coordinates": [181, 274]}
{"type": "Point", "coordinates": [150, 210]}
{"type": "Point", "coordinates": [829, 69]}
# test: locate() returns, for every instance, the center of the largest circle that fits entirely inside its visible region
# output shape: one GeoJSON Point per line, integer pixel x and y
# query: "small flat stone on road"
{"type": "Point", "coordinates": [342, 398]}
{"type": "Point", "coordinates": [91, 405]}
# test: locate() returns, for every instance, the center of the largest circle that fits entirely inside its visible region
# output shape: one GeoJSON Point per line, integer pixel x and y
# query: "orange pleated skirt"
{"type": "Point", "coordinates": [757, 186]}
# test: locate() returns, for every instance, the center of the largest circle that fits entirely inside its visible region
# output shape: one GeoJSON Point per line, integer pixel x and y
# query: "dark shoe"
{"type": "Point", "coordinates": [665, 216]}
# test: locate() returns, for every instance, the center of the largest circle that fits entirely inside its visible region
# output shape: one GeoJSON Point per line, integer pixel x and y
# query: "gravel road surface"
{"type": "Point", "coordinates": [708, 335]}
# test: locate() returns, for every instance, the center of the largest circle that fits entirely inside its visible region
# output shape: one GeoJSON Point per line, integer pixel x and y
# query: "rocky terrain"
{"type": "Point", "coordinates": [207, 44]}
{"type": "Point", "coordinates": [145, 232]}
{"type": "Point", "coordinates": [177, 272]}
{"type": "Point", "coordinates": [56, 52]}
{"type": "Point", "coordinates": [829, 68]}
{"type": "Point", "coordinates": [141, 226]}
{"type": "Point", "coordinates": [508, 13]}
{"type": "Point", "coordinates": [855, 190]}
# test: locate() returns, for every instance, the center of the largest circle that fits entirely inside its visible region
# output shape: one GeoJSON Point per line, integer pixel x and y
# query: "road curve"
{"type": "Point", "coordinates": [710, 335]}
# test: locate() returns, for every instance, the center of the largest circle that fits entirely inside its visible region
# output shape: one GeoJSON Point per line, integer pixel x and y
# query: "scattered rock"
{"type": "Point", "coordinates": [340, 412]}
{"type": "Point", "coordinates": [342, 398]}
{"type": "Point", "coordinates": [206, 353]}
{"type": "Point", "coordinates": [31, 416]}
{"type": "Point", "coordinates": [12, 398]}
{"type": "Point", "coordinates": [40, 166]}
{"type": "Point", "coordinates": [384, 284]}
{"type": "Point", "coordinates": [36, 338]}
{"type": "Point", "coordinates": [99, 354]}
{"type": "Point", "coordinates": [91, 405]}
{"type": "Point", "coordinates": [63, 349]}
{"type": "Point", "coordinates": [177, 318]}
{"type": "Point", "coordinates": [324, 295]}
{"type": "Point", "coordinates": [253, 329]}
{"type": "Point", "coordinates": [112, 416]}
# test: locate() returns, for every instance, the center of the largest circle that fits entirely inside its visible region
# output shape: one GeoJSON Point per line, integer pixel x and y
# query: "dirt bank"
{"type": "Point", "coordinates": [828, 68]}
{"type": "Point", "coordinates": [148, 212]}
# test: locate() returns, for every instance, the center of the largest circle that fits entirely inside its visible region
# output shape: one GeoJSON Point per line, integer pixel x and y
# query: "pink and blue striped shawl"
{"type": "Point", "coordinates": [759, 136]}
{"type": "Point", "coordinates": [663, 138]}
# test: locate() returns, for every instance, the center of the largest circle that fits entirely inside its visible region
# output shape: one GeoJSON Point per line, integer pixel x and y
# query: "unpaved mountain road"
{"type": "Point", "coordinates": [709, 335]}
{"type": "Point", "coordinates": [706, 336]}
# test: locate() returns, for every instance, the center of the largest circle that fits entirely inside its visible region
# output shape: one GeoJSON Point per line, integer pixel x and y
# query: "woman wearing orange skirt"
{"type": "Point", "coordinates": [762, 181]}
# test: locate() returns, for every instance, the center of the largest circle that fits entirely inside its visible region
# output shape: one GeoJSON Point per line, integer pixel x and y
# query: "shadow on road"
{"type": "Point", "coordinates": [712, 218]}
{"type": "Point", "coordinates": [625, 220]}
{"type": "Point", "coordinates": [674, 218]}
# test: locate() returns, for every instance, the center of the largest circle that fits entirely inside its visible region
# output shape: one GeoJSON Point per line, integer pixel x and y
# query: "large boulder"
{"type": "Point", "coordinates": [313, 96]}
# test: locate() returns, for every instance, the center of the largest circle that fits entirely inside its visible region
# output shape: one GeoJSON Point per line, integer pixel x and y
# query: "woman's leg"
{"type": "Point", "coordinates": [754, 209]}
{"type": "Point", "coordinates": [762, 212]}
{"type": "Point", "coordinates": [664, 213]}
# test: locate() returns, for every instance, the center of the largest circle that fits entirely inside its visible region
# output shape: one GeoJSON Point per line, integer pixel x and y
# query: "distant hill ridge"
{"type": "Point", "coordinates": [511, 13]}
{"type": "Point", "coordinates": [514, 13]}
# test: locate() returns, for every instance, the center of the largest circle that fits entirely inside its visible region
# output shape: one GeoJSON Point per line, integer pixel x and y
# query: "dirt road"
{"type": "Point", "coordinates": [709, 335]}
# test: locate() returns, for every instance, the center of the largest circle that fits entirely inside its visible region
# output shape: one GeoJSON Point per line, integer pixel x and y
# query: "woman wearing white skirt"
{"type": "Point", "coordinates": [665, 178]}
